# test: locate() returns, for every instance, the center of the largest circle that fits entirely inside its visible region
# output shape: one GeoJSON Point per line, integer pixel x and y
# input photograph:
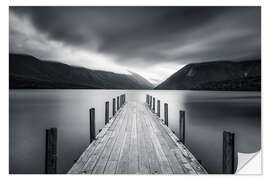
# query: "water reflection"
{"type": "Point", "coordinates": [207, 115]}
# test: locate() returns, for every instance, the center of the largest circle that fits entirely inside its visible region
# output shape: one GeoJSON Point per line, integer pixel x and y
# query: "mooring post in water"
{"type": "Point", "coordinates": [122, 100]}
{"type": "Point", "coordinates": [113, 106]}
{"type": "Point", "coordinates": [158, 108]}
{"type": "Point", "coordinates": [182, 126]}
{"type": "Point", "coordinates": [117, 103]}
{"type": "Point", "coordinates": [51, 151]}
{"type": "Point", "coordinates": [166, 113]}
{"type": "Point", "coordinates": [106, 112]}
{"type": "Point", "coordinates": [92, 125]}
{"type": "Point", "coordinates": [150, 102]}
{"type": "Point", "coordinates": [154, 105]}
{"type": "Point", "coordinates": [228, 152]}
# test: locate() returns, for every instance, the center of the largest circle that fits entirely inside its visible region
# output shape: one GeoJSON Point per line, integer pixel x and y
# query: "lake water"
{"type": "Point", "coordinates": [208, 114]}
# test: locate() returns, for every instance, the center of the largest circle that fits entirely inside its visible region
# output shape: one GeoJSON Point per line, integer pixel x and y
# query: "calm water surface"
{"type": "Point", "coordinates": [208, 113]}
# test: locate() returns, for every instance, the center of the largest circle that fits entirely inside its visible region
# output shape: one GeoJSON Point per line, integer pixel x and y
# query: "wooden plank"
{"type": "Point", "coordinates": [171, 145]}
{"type": "Point", "coordinates": [122, 166]}
{"type": "Point", "coordinates": [118, 146]}
{"type": "Point", "coordinates": [104, 157]}
{"type": "Point", "coordinates": [88, 168]}
{"type": "Point", "coordinates": [187, 168]}
{"type": "Point", "coordinates": [192, 165]}
{"type": "Point", "coordinates": [78, 167]}
{"type": "Point", "coordinates": [136, 141]}
{"type": "Point", "coordinates": [123, 163]}
{"type": "Point", "coordinates": [154, 165]}
{"type": "Point", "coordinates": [143, 162]}
{"type": "Point", "coordinates": [80, 163]}
{"type": "Point", "coordinates": [174, 164]}
{"type": "Point", "coordinates": [95, 155]}
{"type": "Point", "coordinates": [164, 164]}
{"type": "Point", "coordinates": [166, 147]}
{"type": "Point", "coordinates": [133, 166]}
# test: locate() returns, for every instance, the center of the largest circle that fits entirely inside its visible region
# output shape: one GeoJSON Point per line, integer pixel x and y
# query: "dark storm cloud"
{"type": "Point", "coordinates": [152, 35]}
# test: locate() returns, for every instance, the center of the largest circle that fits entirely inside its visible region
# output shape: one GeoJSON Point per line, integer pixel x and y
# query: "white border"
{"type": "Point", "coordinates": [4, 75]}
{"type": "Point", "coordinates": [136, 2]}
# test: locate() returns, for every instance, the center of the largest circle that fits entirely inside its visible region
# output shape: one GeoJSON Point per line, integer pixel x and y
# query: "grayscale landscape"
{"type": "Point", "coordinates": [128, 64]}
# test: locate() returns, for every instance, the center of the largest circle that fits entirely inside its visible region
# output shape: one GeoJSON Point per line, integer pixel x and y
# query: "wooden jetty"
{"type": "Point", "coordinates": [136, 141]}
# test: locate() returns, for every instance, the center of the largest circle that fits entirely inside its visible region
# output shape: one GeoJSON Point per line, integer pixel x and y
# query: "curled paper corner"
{"type": "Point", "coordinates": [249, 163]}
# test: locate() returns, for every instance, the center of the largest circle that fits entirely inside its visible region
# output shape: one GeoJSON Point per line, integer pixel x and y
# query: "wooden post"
{"type": "Point", "coordinates": [106, 112]}
{"type": "Point", "coordinates": [113, 106]}
{"type": "Point", "coordinates": [154, 105]}
{"type": "Point", "coordinates": [120, 100]}
{"type": "Point", "coordinates": [146, 99]}
{"type": "Point", "coordinates": [92, 125]}
{"type": "Point", "coordinates": [150, 106]}
{"type": "Point", "coordinates": [117, 103]}
{"type": "Point", "coordinates": [158, 108]}
{"type": "Point", "coordinates": [166, 114]}
{"type": "Point", "coordinates": [228, 152]}
{"type": "Point", "coordinates": [182, 126]}
{"type": "Point", "coordinates": [51, 151]}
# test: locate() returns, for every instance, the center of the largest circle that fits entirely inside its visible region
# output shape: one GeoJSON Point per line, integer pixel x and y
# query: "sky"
{"type": "Point", "coordinates": [154, 42]}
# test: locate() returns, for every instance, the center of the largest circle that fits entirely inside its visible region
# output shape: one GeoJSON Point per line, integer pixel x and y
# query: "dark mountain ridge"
{"type": "Point", "coordinates": [217, 75]}
{"type": "Point", "coordinates": [28, 72]}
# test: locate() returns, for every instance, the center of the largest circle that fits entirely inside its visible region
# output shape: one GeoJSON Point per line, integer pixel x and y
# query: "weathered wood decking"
{"type": "Point", "coordinates": [136, 141]}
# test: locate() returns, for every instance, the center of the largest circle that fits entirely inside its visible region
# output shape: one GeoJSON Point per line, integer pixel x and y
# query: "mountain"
{"type": "Point", "coordinates": [219, 75]}
{"type": "Point", "coordinates": [141, 80]}
{"type": "Point", "coordinates": [28, 72]}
